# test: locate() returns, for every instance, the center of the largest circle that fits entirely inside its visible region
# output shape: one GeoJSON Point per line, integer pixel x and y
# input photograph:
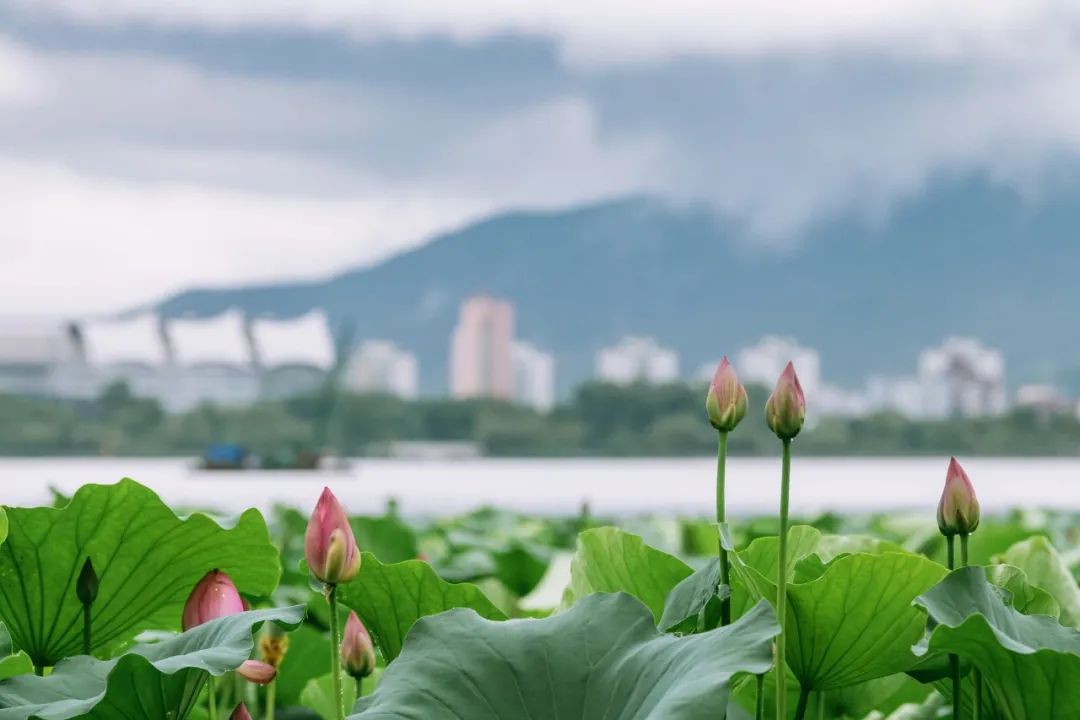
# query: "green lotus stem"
{"type": "Point", "coordinates": [804, 700]}
{"type": "Point", "coordinates": [211, 700]}
{"type": "Point", "coordinates": [86, 629]}
{"type": "Point", "coordinates": [954, 661]}
{"type": "Point", "coordinates": [271, 691]}
{"type": "Point", "coordinates": [978, 674]}
{"type": "Point", "coordinates": [359, 688]}
{"type": "Point", "coordinates": [335, 651]}
{"type": "Point", "coordinates": [759, 712]}
{"type": "Point", "coordinates": [821, 705]}
{"type": "Point", "coordinates": [781, 586]}
{"type": "Point", "coordinates": [721, 463]}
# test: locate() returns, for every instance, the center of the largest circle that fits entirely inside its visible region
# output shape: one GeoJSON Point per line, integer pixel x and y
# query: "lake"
{"type": "Point", "coordinates": [611, 486]}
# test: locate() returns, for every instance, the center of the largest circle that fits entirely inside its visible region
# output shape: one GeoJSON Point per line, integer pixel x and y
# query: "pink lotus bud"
{"type": "Point", "coordinates": [257, 672]}
{"type": "Point", "coordinates": [726, 401]}
{"type": "Point", "coordinates": [240, 713]}
{"type": "Point", "coordinates": [215, 596]}
{"type": "Point", "coordinates": [357, 652]}
{"type": "Point", "coordinates": [958, 509]}
{"type": "Point", "coordinates": [785, 410]}
{"type": "Point", "coordinates": [329, 545]}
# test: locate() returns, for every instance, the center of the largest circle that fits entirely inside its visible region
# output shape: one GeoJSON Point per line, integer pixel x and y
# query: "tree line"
{"type": "Point", "coordinates": [599, 419]}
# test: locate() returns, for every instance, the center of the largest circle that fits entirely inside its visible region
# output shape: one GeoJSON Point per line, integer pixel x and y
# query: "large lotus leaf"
{"type": "Point", "coordinates": [1030, 663]}
{"type": "Point", "coordinates": [1046, 569]}
{"type": "Point", "coordinates": [146, 558]}
{"type": "Point", "coordinates": [610, 560]}
{"type": "Point", "coordinates": [390, 598]}
{"type": "Point", "coordinates": [603, 658]}
{"type": "Point", "coordinates": [856, 622]}
{"type": "Point", "coordinates": [149, 682]}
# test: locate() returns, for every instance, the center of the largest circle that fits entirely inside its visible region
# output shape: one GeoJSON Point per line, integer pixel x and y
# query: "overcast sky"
{"type": "Point", "coordinates": [147, 146]}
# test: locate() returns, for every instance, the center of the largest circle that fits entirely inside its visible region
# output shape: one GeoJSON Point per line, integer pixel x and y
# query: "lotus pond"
{"type": "Point", "coordinates": [116, 607]}
{"type": "Point", "coordinates": [499, 615]}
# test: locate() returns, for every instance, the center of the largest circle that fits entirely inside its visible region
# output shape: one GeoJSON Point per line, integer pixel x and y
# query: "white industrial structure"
{"type": "Point", "coordinates": [381, 366]}
{"type": "Point", "coordinates": [637, 359]}
{"type": "Point", "coordinates": [962, 377]}
{"type": "Point", "coordinates": [534, 377]}
{"type": "Point", "coordinates": [227, 359]}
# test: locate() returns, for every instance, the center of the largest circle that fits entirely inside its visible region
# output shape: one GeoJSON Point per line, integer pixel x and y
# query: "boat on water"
{"type": "Point", "coordinates": [235, 457]}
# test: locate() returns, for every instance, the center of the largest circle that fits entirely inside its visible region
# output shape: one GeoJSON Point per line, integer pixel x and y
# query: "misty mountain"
{"type": "Point", "coordinates": [966, 256]}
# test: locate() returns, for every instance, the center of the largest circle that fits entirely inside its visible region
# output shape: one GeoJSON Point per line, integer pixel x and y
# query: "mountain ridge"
{"type": "Point", "coordinates": [966, 256]}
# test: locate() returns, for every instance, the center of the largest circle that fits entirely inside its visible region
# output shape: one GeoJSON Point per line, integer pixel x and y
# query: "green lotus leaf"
{"type": "Point", "coordinates": [1024, 596]}
{"type": "Point", "coordinates": [147, 560]}
{"type": "Point", "coordinates": [1046, 569]}
{"type": "Point", "coordinates": [1030, 663]}
{"type": "Point", "coordinates": [610, 560]}
{"type": "Point", "coordinates": [390, 598]}
{"type": "Point", "coordinates": [690, 597]}
{"type": "Point", "coordinates": [856, 622]}
{"type": "Point", "coordinates": [603, 657]}
{"type": "Point", "coordinates": [318, 696]}
{"type": "Point", "coordinates": [148, 682]}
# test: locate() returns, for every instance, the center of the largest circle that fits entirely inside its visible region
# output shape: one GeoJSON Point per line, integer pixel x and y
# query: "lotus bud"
{"type": "Point", "coordinates": [357, 652]}
{"type": "Point", "coordinates": [726, 402]}
{"type": "Point", "coordinates": [329, 545]}
{"type": "Point", "coordinates": [273, 644]}
{"type": "Point", "coordinates": [215, 596]}
{"type": "Point", "coordinates": [86, 588]}
{"type": "Point", "coordinates": [257, 672]}
{"type": "Point", "coordinates": [958, 509]}
{"type": "Point", "coordinates": [785, 410]}
{"type": "Point", "coordinates": [240, 713]}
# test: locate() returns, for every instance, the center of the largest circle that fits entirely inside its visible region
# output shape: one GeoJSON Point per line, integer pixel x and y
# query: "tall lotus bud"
{"type": "Point", "coordinates": [958, 509]}
{"type": "Point", "coordinates": [329, 545]}
{"type": "Point", "coordinates": [726, 401]}
{"type": "Point", "coordinates": [215, 596]}
{"type": "Point", "coordinates": [273, 644]}
{"type": "Point", "coordinates": [357, 652]}
{"type": "Point", "coordinates": [785, 410]}
{"type": "Point", "coordinates": [86, 588]}
{"type": "Point", "coordinates": [257, 672]}
{"type": "Point", "coordinates": [240, 713]}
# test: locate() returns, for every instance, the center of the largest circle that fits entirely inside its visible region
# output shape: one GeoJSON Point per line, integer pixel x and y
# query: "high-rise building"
{"type": "Point", "coordinates": [481, 349]}
{"type": "Point", "coordinates": [381, 366]}
{"type": "Point", "coordinates": [534, 377]}
{"type": "Point", "coordinates": [962, 377]}
{"type": "Point", "coordinates": [635, 359]}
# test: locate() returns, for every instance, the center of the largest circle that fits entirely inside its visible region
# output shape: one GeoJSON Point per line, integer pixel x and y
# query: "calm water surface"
{"type": "Point", "coordinates": [611, 486]}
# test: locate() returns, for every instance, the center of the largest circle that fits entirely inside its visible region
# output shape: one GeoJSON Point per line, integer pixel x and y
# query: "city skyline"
{"type": "Point", "coordinates": [214, 359]}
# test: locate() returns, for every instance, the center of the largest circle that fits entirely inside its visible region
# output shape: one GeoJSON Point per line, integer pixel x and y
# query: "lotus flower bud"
{"type": "Point", "coordinates": [273, 644]}
{"type": "Point", "coordinates": [215, 596]}
{"type": "Point", "coordinates": [240, 713]}
{"type": "Point", "coordinates": [257, 672]}
{"type": "Point", "coordinates": [86, 588]}
{"type": "Point", "coordinates": [726, 402]}
{"type": "Point", "coordinates": [785, 410]}
{"type": "Point", "coordinates": [329, 545]}
{"type": "Point", "coordinates": [357, 652]}
{"type": "Point", "coordinates": [958, 509]}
